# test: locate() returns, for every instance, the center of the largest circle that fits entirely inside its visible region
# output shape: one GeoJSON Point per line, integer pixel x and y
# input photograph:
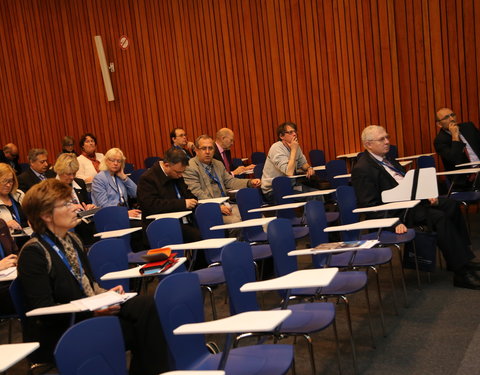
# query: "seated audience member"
{"type": "Point", "coordinates": [11, 199]}
{"type": "Point", "coordinates": [9, 155]}
{"type": "Point", "coordinates": [66, 167]}
{"type": "Point", "coordinates": [457, 144]}
{"type": "Point", "coordinates": [68, 145]}
{"type": "Point", "coordinates": [6, 305]}
{"type": "Point", "coordinates": [53, 269]}
{"type": "Point", "coordinates": [89, 160]}
{"type": "Point", "coordinates": [223, 142]}
{"type": "Point", "coordinates": [208, 178]}
{"type": "Point", "coordinates": [38, 171]}
{"type": "Point", "coordinates": [374, 173]}
{"type": "Point", "coordinates": [179, 140]}
{"type": "Point", "coordinates": [285, 158]}
{"type": "Point", "coordinates": [162, 189]}
{"type": "Point", "coordinates": [111, 186]}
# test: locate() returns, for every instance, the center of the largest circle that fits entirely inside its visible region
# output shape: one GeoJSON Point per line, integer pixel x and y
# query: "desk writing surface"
{"type": "Point", "coordinates": [251, 321]}
{"type": "Point", "coordinates": [132, 273]}
{"type": "Point", "coordinates": [404, 163]}
{"type": "Point", "coordinates": [167, 215]}
{"type": "Point", "coordinates": [219, 200]}
{"type": "Point", "coordinates": [116, 233]}
{"type": "Point", "coordinates": [366, 224]}
{"type": "Point", "coordinates": [309, 194]}
{"type": "Point", "coordinates": [348, 175]}
{"type": "Point", "coordinates": [8, 274]}
{"type": "Point", "coordinates": [312, 278]}
{"type": "Point", "coordinates": [414, 156]}
{"type": "Point", "coordinates": [459, 171]}
{"type": "Point", "coordinates": [388, 206]}
{"type": "Point", "coordinates": [10, 354]}
{"type": "Point", "coordinates": [319, 168]}
{"type": "Point", "coordinates": [245, 223]}
{"type": "Point", "coordinates": [278, 207]}
{"type": "Point", "coordinates": [348, 156]}
{"type": "Point", "coordinates": [194, 372]}
{"type": "Point", "coordinates": [66, 308]}
{"type": "Point", "coordinates": [212, 243]}
{"type": "Point", "coordinates": [468, 164]}
{"type": "Point", "coordinates": [363, 245]}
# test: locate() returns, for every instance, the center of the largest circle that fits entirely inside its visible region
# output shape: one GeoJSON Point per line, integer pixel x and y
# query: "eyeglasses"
{"type": "Point", "coordinates": [69, 145]}
{"type": "Point", "coordinates": [450, 115]}
{"type": "Point", "coordinates": [290, 132]}
{"type": "Point", "coordinates": [7, 182]}
{"type": "Point", "coordinates": [119, 161]}
{"type": "Point", "coordinates": [205, 148]}
{"type": "Point", "coordinates": [383, 139]}
{"type": "Point", "coordinates": [66, 204]}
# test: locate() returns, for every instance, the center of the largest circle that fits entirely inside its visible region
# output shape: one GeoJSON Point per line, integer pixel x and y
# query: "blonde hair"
{"type": "Point", "coordinates": [4, 170]}
{"type": "Point", "coordinates": [66, 163]}
{"type": "Point", "coordinates": [111, 154]}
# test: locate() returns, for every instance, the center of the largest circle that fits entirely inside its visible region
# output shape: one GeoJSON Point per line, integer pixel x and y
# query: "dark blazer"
{"type": "Point", "coordinates": [369, 179]}
{"type": "Point", "coordinates": [82, 193]}
{"type": "Point", "coordinates": [156, 192]}
{"type": "Point", "coordinates": [452, 152]}
{"type": "Point", "coordinates": [28, 178]}
{"type": "Point", "coordinates": [190, 153]}
{"type": "Point", "coordinates": [13, 163]}
{"type": "Point", "coordinates": [228, 154]}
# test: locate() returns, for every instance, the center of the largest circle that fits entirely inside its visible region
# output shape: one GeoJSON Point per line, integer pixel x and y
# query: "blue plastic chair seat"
{"type": "Point", "coordinates": [261, 251]}
{"type": "Point", "coordinates": [255, 237]}
{"type": "Point", "coordinates": [343, 283]}
{"type": "Point", "coordinates": [390, 238]}
{"type": "Point", "coordinates": [363, 258]}
{"type": "Point", "coordinates": [332, 216]}
{"type": "Point", "coordinates": [309, 317]}
{"type": "Point", "coordinates": [210, 276]}
{"type": "Point", "coordinates": [136, 257]}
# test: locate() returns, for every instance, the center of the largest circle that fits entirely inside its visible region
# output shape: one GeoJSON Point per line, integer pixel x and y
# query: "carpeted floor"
{"type": "Point", "coordinates": [438, 333]}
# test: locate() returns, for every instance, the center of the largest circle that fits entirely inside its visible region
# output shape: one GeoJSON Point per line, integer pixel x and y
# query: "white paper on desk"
{"type": "Point", "coordinates": [346, 245]}
{"type": "Point", "coordinates": [102, 300]}
{"type": "Point", "coordinates": [8, 271]}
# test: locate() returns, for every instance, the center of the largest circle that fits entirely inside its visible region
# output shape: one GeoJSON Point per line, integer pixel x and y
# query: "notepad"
{"type": "Point", "coordinates": [7, 271]}
{"type": "Point", "coordinates": [102, 300]}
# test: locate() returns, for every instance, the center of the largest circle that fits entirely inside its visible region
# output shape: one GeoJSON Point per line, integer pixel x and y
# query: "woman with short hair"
{"type": "Point", "coordinates": [89, 160]}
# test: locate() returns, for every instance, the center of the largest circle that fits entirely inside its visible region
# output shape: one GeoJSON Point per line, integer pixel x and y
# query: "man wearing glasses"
{"type": "Point", "coordinates": [456, 144]}
{"type": "Point", "coordinates": [374, 172]}
{"type": "Point", "coordinates": [285, 158]}
{"type": "Point", "coordinates": [38, 171]}
{"type": "Point", "coordinates": [178, 138]}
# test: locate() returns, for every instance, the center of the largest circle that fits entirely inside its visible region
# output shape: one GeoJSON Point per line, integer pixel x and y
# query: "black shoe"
{"type": "Point", "coordinates": [466, 280]}
{"type": "Point", "coordinates": [473, 266]}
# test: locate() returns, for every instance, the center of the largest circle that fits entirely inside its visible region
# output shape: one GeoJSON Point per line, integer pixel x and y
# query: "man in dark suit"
{"type": "Point", "coordinates": [161, 189]}
{"type": "Point", "coordinates": [223, 142]}
{"type": "Point", "coordinates": [38, 171]}
{"type": "Point", "coordinates": [456, 144]}
{"type": "Point", "coordinates": [374, 173]}
{"type": "Point", "coordinates": [179, 141]}
{"type": "Point", "coordinates": [9, 155]}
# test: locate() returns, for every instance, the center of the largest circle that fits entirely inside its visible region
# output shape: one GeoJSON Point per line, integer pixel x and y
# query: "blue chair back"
{"type": "Point", "coordinates": [317, 157]}
{"type": "Point", "coordinates": [179, 301]}
{"type": "Point", "coordinates": [335, 168]}
{"type": "Point", "coordinates": [258, 170]}
{"type": "Point", "coordinates": [136, 174]}
{"type": "Point", "coordinates": [393, 152]}
{"type": "Point", "coordinates": [239, 269]}
{"type": "Point", "coordinates": [317, 222]}
{"type": "Point", "coordinates": [93, 346]}
{"type": "Point", "coordinates": [129, 167]}
{"type": "Point", "coordinates": [281, 186]}
{"type": "Point", "coordinates": [106, 256]}
{"type": "Point", "coordinates": [150, 160]}
{"type": "Point", "coordinates": [248, 198]}
{"type": "Point", "coordinates": [282, 241]}
{"type": "Point", "coordinates": [347, 202]}
{"type": "Point", "coordinates": [207, 215]}
{"type": "Point", "coordinates": [426, 161]}
{"type": "Point", "coordinates": [237, 162]}
{"type": "Point", "coordinates": [164, 232]}
{"type": "Point", "coordinates": [18, 301]}
{"type": "Point", "coordinates": [258, 157]}
{"type": "Point", "coordinates": [113, 218]}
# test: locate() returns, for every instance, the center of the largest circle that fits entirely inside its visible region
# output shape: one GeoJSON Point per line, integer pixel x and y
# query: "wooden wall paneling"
{"type": "Point", "coordinates": [435, 32]}
{"type": "Point", "coordinates": [462, 84]}
{"type": "Point", "coordinates": [471, 62]}
{"type": "Point", "coordinates": [476, 14]}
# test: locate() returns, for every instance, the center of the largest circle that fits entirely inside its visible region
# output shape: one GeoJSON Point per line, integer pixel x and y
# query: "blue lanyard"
{"type": "Point", "coordinates": [2, 253]}
{"type": "Point", "coordinates": [65, 260]}
{"type": "Point", "coordinates": [215, 178]}
{"type": "Point", "coordinates": [179, 196]}
{"type": "Point", "coordinates": [390, 166]}
{"type": "Point", "coordinates": [15, 209]}
{"type": "Point", "coordinates": [119, 191]}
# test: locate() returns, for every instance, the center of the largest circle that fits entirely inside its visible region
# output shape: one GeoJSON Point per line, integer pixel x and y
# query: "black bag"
{"type": "Point", "coordinates": [426, 246]}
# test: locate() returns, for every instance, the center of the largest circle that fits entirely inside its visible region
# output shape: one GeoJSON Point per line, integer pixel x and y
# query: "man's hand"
{"type": "Point", "coordinates": [433, 201]}
{"type": "Point", "coordinates": [400, 229]}
{"type": "Point", "coordinates": [239, 170]}
{"type": "Point", "coordinates": [134, 213]}
{"type": "Point", "coordinates": [254, 183]}
{"type": "Point", "coordinates": [8, 261]}
{"type": "Point", "coordinates": [453, 128]}
{"type": "Point", "coordinates": [227, 211]}
{"type": "Point", "coordinates": [310, 172]}
{"type": "Point", "coordinates": [191, 203]}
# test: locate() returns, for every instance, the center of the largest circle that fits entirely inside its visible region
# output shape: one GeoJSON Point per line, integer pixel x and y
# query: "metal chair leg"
{"type": "Point", "coordinates": [310, 352]}
{"type": "Point", "coordinates": [337, 347]}
{"type": "Point", "coordinates": [392, 279]}
{"type": "Point", "coordinates": [369, 315]}
{"type": "Point", "coordinates": [380, 302]}
{"type": "Point", "coordinates": [350, 330]}
{"type": "Point", "coordinates": [404, 284]}
{"type": "Point", "coordinates": [212, 301]}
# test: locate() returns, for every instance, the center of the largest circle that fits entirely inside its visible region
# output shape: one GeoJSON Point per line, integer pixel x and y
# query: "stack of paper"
{"type": "Point", "coordinates": [102, 300]}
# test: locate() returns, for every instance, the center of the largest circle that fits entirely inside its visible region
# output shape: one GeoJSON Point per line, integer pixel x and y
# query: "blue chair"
{"type": "Point", "coordinates": [258, 157]}
{"type": "Point", "coordinates": [106, 256]}
{"type": "Point", "coordinates": [336, 168]}
{"type": "Point", "coordinates": [237, 162]}
{"type": "Point", "coordinates": [136, 174]}
{"type": "Point", "coordinates": [129, 167]}
{"type": "Point", "coordinates": [9, 317]}
{"type": "Point", "coordinates": [280, 236]}
{"type": "Point", "coordinates": [208, 215]}
{"type": "Point", "coordinates": [168, 231]}
{"type": "Point", "coordinates": [248, 198]}
{"type": "Point", "coordinates": [307, 318]}
{"type": "Point", "coordinates": [179, 301]}
{"type": "Point", "coordinates": [258, 170]}
{"type": "Point", "coordinates": [392, 153]}
{"type": "Point", "coordinates": [114, 218]}
{"type": "Point", "coordinates": [150, 160]}
{"type": "Point", "coordinates": [426, 161]}
{"type": "Point", "coordinates": [317, 158]}
{"type": "Point", "coordinates": [92, 347]}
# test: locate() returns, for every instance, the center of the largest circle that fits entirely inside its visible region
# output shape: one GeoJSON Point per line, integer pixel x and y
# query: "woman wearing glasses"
{"type": "Point", "coordinates": [89, 160]}
{"type": "Point", "coordinates": [10, 199]}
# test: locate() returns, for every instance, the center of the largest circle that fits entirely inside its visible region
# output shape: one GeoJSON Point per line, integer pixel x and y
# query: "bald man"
{"type": "Point", "coordinates": [9, 155]}
{"type": "Point", "coordinates": [456, 143]}
{"type": "Point", "coordinates": [223, 142]}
